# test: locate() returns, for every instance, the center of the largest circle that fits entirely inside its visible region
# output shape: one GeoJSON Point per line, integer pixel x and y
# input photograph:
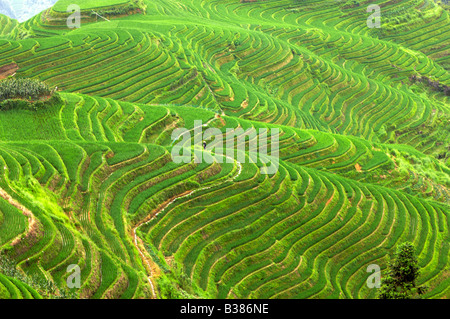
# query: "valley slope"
{"type": "Point", "coordinates": [364, 122]}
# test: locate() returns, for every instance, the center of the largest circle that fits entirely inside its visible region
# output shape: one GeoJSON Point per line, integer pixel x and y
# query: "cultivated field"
{"type": "Point", "coordinates": [364, 147]}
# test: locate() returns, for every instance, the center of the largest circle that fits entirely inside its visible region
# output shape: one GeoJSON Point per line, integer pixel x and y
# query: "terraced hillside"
{"type": "Point", "coordinates": [364, 150]}
{"type": "Point", "coordinates": [7, 24]}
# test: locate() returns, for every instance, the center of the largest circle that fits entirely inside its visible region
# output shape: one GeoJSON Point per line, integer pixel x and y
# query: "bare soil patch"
{"type": "Point", "coordinates": [8, 70]}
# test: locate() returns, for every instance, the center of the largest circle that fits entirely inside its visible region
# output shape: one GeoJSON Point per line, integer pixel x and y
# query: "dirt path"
{"type": "Point", "coordinates": [23, 209]}
{"type": "Point", "coordinates": [152, 268]}
{"type": "Point", "coordinates": [8, 70]}
{"type": "Point", "coordinates": [146, 260]}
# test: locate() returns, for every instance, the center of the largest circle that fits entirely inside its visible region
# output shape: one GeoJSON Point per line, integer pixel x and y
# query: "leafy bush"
{"type": "Point", "coordinates": [26, 94]}
{"type": "Point", "coordinates": [28, 89]}
{"type": "Point", "coordinates": [400, 282]}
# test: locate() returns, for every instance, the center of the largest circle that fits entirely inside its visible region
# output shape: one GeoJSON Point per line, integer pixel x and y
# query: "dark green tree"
{"type": "Point", "coordinates": [402, 274]}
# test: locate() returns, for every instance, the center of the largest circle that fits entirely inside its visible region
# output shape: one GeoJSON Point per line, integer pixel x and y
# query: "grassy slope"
{"type": "Point", "coordinates": [7, 25]}
{"type": "Point", "coordinates": [61, 5]}
{"type": "Point", "coordinates": [209, 53]}
{"type": "Point", "coordinates": [317, 74]}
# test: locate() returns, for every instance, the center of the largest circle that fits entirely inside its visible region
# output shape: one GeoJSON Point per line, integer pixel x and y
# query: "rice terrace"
{"type": "Point", "coordinates": [225, 149]}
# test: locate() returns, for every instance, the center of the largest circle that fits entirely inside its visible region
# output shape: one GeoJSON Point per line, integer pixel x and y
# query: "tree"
{"type": "Point", "coordinates": [403, 271]}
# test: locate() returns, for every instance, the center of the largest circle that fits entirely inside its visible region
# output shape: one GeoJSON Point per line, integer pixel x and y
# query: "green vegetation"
{"type": "Point", "coordinates": [30, 89]}
{"type": "Point", "coordinates": [103, 7]}
{"type": "Point", "coordinates": [87, 178]}
{"type": "Point", "coordinates": [400, 281]}
{"type": "Point", "coordinates": [62, 5]}
{"type": "Point", "coordinates": [26, 94]}
{"type": "Point", "coordinates": [7, 25]}
{"type": "Point", "coordinates": [16, 285]}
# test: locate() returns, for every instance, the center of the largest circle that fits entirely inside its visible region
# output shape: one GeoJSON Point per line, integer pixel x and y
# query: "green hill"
{"type": "Point", "coordinates": [364, 148]}
{"type": "Point", "coordinates": [7, 25]}
{"type": "Point", "coordinates": [61, 5]}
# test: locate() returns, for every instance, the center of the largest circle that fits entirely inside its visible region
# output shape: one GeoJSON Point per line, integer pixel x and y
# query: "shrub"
{"type": "Point", "coordinates": [30, 89]}
{"type": "Point", "coordinates": [400, 282]}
